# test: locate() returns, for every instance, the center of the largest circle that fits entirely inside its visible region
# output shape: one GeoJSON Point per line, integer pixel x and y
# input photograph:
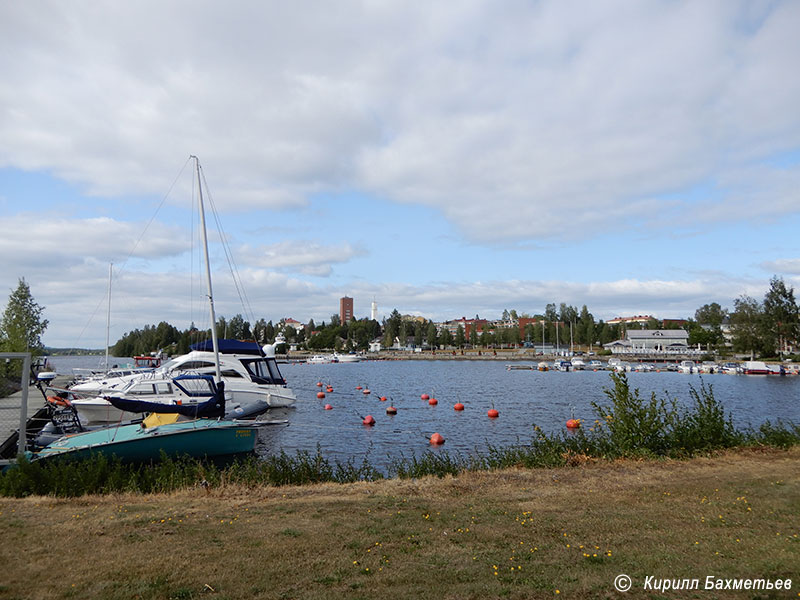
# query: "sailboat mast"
{"type": "Point", "coordinates": [108, 315]}
{"type": "Point", "coordinates": [214, 340]}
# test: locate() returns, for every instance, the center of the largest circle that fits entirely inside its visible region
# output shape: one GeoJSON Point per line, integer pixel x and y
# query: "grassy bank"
{"type": "Point", "coordinates": [514, 533]}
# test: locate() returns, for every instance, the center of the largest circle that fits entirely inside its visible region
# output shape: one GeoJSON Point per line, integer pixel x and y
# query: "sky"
{"type": "Point", "coordinates": [444, 160]}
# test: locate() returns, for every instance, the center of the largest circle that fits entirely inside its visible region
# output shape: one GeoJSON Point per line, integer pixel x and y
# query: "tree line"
{"type": "Point", "coordinates": [758, 327]}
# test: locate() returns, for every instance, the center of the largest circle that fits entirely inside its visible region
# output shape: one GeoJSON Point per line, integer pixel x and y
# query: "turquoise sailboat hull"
{"type": "Point", "coordinates": [198, 438]}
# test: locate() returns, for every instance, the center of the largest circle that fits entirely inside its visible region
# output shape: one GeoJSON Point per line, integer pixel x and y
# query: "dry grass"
{"type": "Point", "coordinates": [513, 534]}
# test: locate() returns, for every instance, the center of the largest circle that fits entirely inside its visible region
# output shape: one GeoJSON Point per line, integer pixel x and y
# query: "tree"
{"type": "Point", "coordinates": [431, 335]}
{"type": "Point", "coordinates": [711, 314]}
{"type": "Point", "coordinates": [653, 323]}
{"type": "Point", "coordinates": [550, 313]}
{"type": "Point", "coordinates": [460, 337]}
{"type": "Point", "coordinates": [391, 327]}
{"type": "Point", "coordinates": [781, 315]}
{"type": "Point", "coordinates": [238, 328]}
{"type": "Point", "coordinates": [746, 325]}
{"type": "Point", "coordinates": [586, 329]}
{"type": "Point", "coordinates": [22, 325]}
{"type": "Point", "coordinates": [445, 338]}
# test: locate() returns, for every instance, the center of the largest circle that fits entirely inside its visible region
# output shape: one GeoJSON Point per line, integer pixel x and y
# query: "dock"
{"type": "Point", "coordinates": [26, 406]}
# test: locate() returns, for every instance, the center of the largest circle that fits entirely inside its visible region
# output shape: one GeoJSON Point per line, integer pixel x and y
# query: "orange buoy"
{"type": "Point", "coordinates": [493, 413]}
{"type": "Point", "coordinates": [368, 420]}
{"type": "Point", "coordinates": [367, 392]}
{"type": "Point", "coordinates": [433, 402]}
{"type": "Point", "coordinates": [573, 423]}
{"type": "Point", "coordinates": [320, 395]}
{"type": "Point", "coordinates": [328, 407]}
{"type": "Point", "coordinates": [425, 397]}
{"type": "Point", "coordinates": [458, 406]}
{"type": "Point", "coordinates": [383, 398]}
{"type": "Point", "coordinates": [436, 440]}
{"type": "Point", "coordinates": [329, 389]}
{"type": "Point", "coordinates": [358, 387]}
{"type": "Point", "coordinates": [319, 384]}
{"type": "Point", "coordinates": [391, 410]}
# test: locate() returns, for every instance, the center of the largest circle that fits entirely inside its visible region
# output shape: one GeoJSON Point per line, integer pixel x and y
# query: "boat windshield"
{"type": "Point", "coordinates": [264, 370]}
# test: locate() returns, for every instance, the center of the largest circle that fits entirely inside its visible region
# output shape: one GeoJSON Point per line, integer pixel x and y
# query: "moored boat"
{"type": "Point", "coordinates": [755, 367]}
{"type": "Point", "coordinates": [687, 366]}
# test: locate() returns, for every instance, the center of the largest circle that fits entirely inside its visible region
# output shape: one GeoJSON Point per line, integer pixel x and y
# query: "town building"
{"type": "Point", "coordinates": [651, 341]}
{"type": "Point", "coordinates": [465, 324]}
{"type": "Point", "coordinates": [640, 320]}
{"type": "Point", "coordinates": [345, 310]}
{"type": "Point", "coordinates": [296, 325]}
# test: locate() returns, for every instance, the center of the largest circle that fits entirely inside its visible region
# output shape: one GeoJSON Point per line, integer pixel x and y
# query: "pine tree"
{"type": "Point", "coordinates": [22, 326]}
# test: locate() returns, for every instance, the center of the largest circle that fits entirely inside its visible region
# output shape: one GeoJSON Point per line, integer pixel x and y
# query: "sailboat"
{"type": "Point", "coordinates": [204, 434]}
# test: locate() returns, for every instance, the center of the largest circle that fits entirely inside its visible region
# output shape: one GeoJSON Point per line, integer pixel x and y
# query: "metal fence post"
{"type": "Point", "coordinates": [23, 411]}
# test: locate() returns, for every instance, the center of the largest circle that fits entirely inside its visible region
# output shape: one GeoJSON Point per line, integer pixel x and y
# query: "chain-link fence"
{"type": "Point", "coordinates": [14, 405]}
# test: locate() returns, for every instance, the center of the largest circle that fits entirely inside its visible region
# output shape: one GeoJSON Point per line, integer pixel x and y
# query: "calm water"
{"type": "Point", "coordinates": [523, 398]}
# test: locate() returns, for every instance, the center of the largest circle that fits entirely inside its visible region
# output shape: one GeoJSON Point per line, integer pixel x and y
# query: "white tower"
{"type": "Point", "coordinates": [374, 312]}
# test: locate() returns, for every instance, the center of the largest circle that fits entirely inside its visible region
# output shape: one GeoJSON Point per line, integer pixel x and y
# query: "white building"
{"type": "Point", "coordinates": [651, 341]}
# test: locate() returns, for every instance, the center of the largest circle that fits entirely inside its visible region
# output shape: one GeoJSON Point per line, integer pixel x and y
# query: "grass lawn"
{"type": "Point", "coordinates": [519, 534]}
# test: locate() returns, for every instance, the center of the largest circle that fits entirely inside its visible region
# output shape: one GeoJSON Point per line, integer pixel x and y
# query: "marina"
{"type": "Point", "coordinates": [523, 397]}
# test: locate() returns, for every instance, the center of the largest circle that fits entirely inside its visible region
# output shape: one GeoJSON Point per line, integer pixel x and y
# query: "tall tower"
{"type": "Point", "coordinates": [373, 314]}
{"type": "Point", "coordinates": [345, 310]}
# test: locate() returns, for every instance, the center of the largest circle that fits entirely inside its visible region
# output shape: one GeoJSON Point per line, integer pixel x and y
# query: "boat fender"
{"type": "Point", "coordinates": [59, 401]}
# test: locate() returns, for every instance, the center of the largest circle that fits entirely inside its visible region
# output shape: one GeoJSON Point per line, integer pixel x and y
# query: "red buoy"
{"type": "Point", "coordinates": [425, 397]}
{"type": "Point", "coordinates": [368, 420]}
{"type": "Point", "coordinates": [319, 384]}
{"type": "Point", "coordinates": [436, 440]}
{"type": "Point", "coordinates": [573, 423]}
{"type": "Point", "coordinates": [358, 387]}
{"type": "Point", "coordinates": [458, 406]}
{"type": "Point", "coordinates": [391, 410]}
{"type": "Point", "coordinates": [383, 398]}
{"type": "Point", "coordinates": [433, 402]}
{"type": "Point", "coordinates": [493, 413]}
{"type": "Point", "coordinates": [329, 389]}
{"type": "Point", "coordinates": [367, 392]}
{"type": "Point", "coordinates": [328, 407]}
{"type": "Point", "coordinates": [320, 395]}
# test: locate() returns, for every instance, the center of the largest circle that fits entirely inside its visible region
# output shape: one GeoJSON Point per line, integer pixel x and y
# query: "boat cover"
{"type": "Point", "coordinates": [229, 347]}
{"type": "Point", "coordinates": [212, 408]}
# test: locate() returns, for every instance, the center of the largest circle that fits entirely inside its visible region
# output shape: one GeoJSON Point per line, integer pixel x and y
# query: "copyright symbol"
{"type": "Point", "coordinates": [622, 583]}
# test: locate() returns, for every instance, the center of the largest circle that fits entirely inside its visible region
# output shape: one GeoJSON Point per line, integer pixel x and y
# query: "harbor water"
{"type": "Point", "coordinates": [522, 397]}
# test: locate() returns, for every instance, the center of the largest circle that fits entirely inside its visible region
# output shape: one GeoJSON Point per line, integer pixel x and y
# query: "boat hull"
{"type": "Point", "coordinates": [198, 439]}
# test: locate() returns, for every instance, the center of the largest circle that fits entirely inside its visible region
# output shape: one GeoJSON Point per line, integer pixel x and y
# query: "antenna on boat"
{"type": "Point", "coordinates": [214, 341]}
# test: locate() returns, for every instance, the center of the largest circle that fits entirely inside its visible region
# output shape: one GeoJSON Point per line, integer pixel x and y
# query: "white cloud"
{"type": "Point", "coordinates": [552, 119]}
{"type": "Point", "coordinates": [309, 258]}
{"type": "Point", "coordinates": [44, 241]}
{"type": "Point", "coordinates": [788, 266]}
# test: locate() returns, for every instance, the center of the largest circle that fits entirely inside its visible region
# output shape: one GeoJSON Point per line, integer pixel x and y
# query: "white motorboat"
{"type": "Point", "coordinates": [181, 390]}
{"type": "Point", "coordinates": [687, 366]}
{"type": "Point", "coordinates": [347, 358]}
{"type": "Point", "coordinates": [595, 365]}
{"type": "Point", "coordinates": [319, 359]}
{"type": "Point", "coordinates": [253, 382]}
{"type": "Point", "coordinates": [578, 364]}
{"type": "Point", "coordinates": [756, 367]}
